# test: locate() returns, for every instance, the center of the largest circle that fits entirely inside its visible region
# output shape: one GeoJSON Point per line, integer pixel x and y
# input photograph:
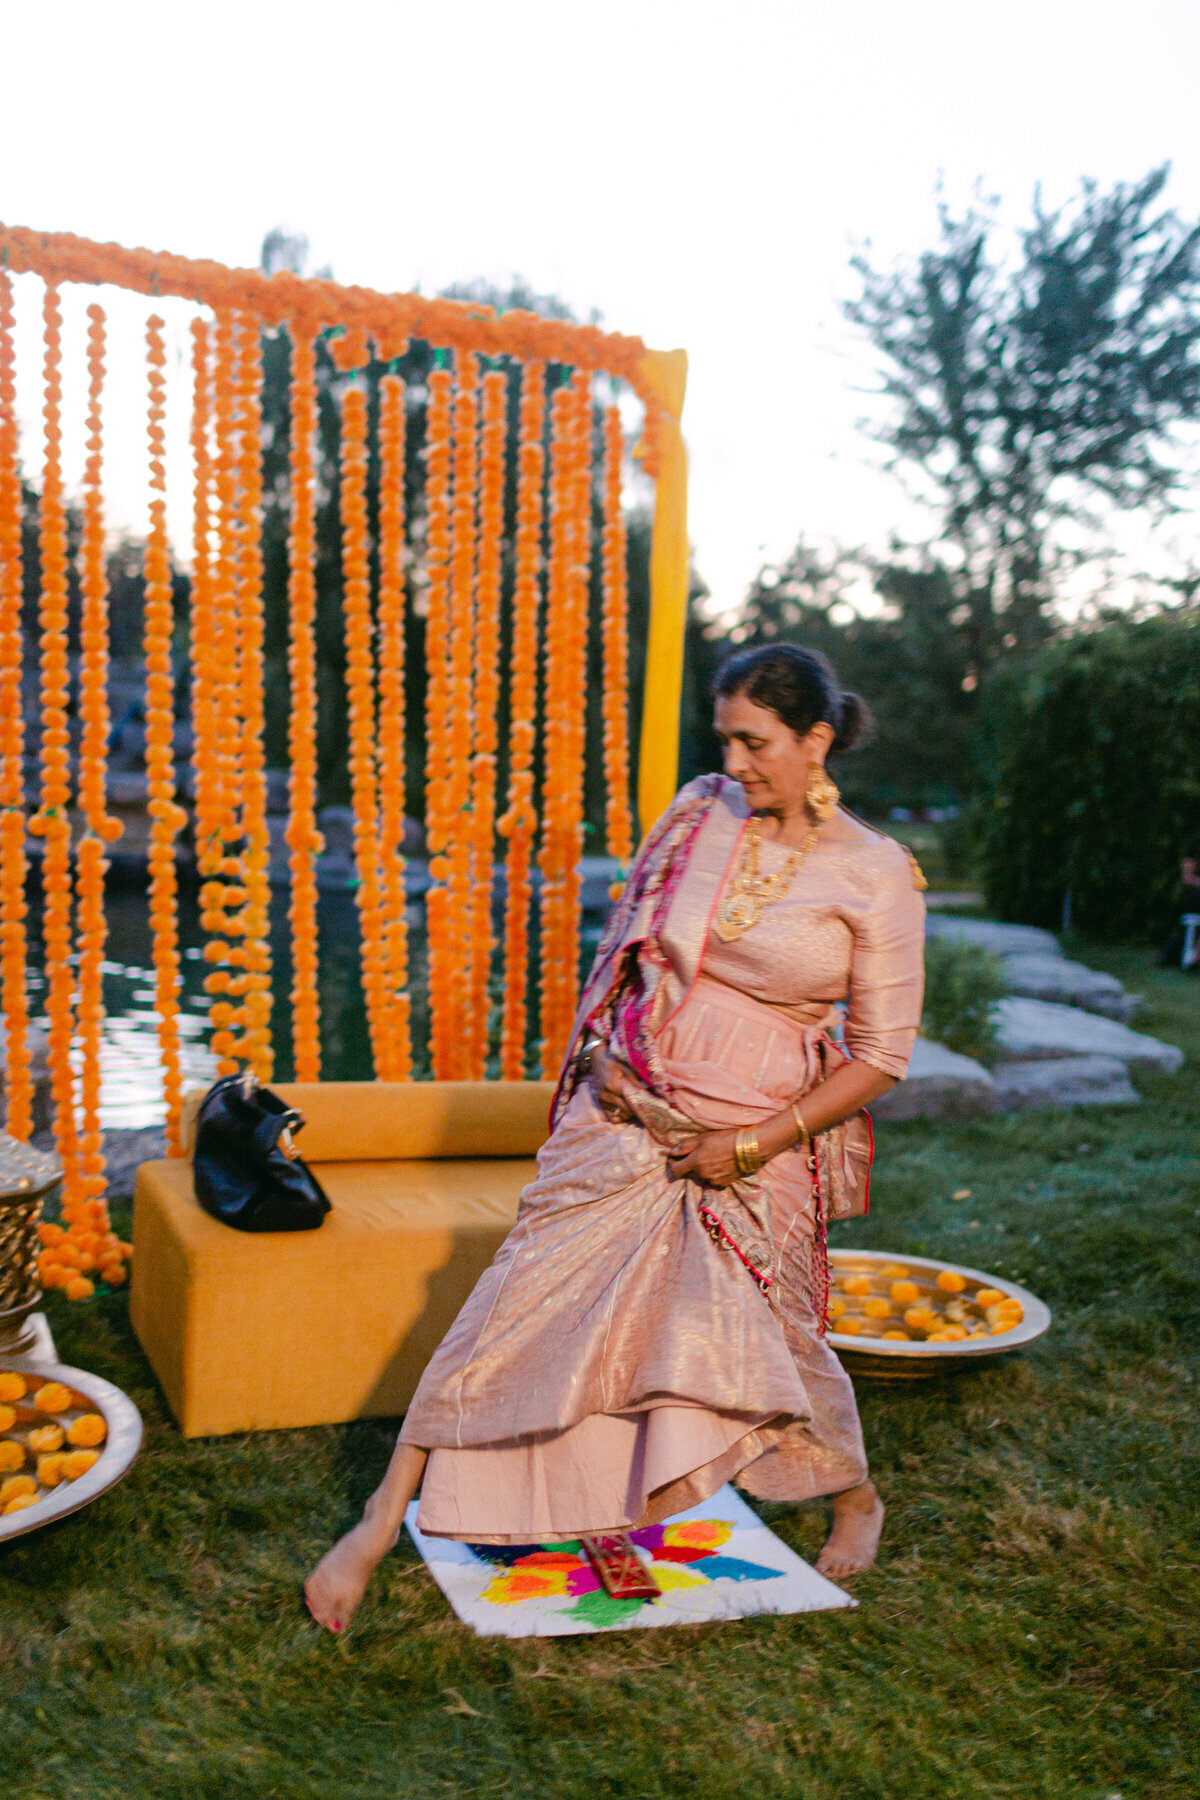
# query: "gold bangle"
{"type": "Point", "coordinates": [746, 1153]}
{"type": "Point", "coordinates": [805, 1137]}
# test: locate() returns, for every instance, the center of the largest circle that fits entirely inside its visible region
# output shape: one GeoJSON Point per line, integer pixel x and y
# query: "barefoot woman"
{"type": "Point", "coordinates": [654, 1324]}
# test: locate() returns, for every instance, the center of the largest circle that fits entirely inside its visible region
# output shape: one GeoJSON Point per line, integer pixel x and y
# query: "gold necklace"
{"type": "Point", "coordinates": [748, 894]}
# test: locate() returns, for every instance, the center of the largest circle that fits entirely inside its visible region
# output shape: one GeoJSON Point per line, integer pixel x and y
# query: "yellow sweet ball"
{"type": "Point", "coordinates": [836, 1308]}
{"type": "Point", "coordinates": [46, 1439]}
{"type": "Point", "coordinates": [12, 1385]}
{"type": "Point", "coordinates": [900, 1336]}
{"type": "Point", "coordinates": [87, 1430]}
{"type": "Point", "coordinates": [905, 1292]}
{"type": "Point", "coordinates": [920, 1318]}
{"type": "Point", "coordinates": [953, 1334]}
{"type": "Point", "coordinates": [12, 1455]}
{"type": "Point", "coordinates": [8, 1417]}
{"type": "Point", "coordinates": [950, 1281]}
{"type": "Point", "coordinates": [20, 1502]}
{"type": "Point", "coordinates": [936, 1337]}
{"type": "Point", "coordinates": [850, 1327]}
{"type": "Point", "coordinates": [1003, 1325]}
{"type": "Point", "coordinates": [988, 1296]}
{"type": "Point", "coordinates": [49, 1470]}
{"type": "Point", "coordinates": [77, 1462]}
{"type": "Point", "coordinates": [877, 1307]}
{"type": "Point", "coordinates": [857, 1284]}
{"type": "Point", "coordinates": [52, 1398]}
{"type": "Point", "coordinates": [16, 1484]}
{"type": "Point", "coordinates": [893, 1269]}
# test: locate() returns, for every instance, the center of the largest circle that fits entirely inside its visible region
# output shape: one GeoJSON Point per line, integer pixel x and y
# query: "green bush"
{"type": "Point", "coordinates": [962, 985]}
{"type": "Point", "coordinates": [1090, 760]}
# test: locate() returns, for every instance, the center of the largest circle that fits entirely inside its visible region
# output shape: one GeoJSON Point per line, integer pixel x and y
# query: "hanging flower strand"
{"type": "Point", "coordinates": [166, 817]}
{"type": "Point", "coordinates": [460, 848]}
{"type": "Point", "coordinates": [392, 428]}
{"type": "Point", "coordinates": [487, 699]}
{"type": "Point", "coordinates": [437, 704]}
{"type": "Point", "coordinates": [304, 841]}
{"type": "Point", "coordinates": [18, 1084]}
{"type": "Point", "coordinates": [520, 818]}
{"type": "Point", "coordinates": [618, 819]}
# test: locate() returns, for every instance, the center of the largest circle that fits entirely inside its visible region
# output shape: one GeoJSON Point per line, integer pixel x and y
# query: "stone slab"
{"type": "Point", "coordinates": [1035, 976]}
{"type": "Point", "coordinates": [1064, 1082]}
{"type": "Point", "coordinates": [1040, 1030]}
{"type": "Point", "coordinates": [1005, 940]}
{"type": "Point", "coordinates": [940, 1085]}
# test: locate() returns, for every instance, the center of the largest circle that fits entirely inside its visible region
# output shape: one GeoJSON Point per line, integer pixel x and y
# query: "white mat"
{"type": "Point", "coordinates": [718, 1561]}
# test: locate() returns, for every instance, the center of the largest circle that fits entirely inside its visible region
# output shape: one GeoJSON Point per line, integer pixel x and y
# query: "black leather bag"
{"type": "Point", "coordinates": [248, 1172]}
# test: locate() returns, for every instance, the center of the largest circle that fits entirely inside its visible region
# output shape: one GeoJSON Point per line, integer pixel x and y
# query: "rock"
{"type": "Point", "coordinates": [940, 1084]}
{"type": "Point", "coordinates": [1005, 940]}
{"type": "Point", "coordinates": [1065, 1081]}
{"type": "Point", "coordinates": [1039, 1030]}
{"type": "Point", "coordinates": [1036, 976]}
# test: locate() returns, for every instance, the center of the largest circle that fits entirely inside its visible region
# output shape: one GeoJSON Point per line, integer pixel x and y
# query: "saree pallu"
{"type": "Point", "coordinates": [639, 1339]}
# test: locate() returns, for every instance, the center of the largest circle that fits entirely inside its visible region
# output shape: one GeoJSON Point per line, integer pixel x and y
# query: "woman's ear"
{"type": "Point", "coordinates": [818, 741]}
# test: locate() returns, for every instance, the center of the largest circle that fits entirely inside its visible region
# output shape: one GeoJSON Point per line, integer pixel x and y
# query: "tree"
{"type": "Point", "coordinates": [1026, 396]}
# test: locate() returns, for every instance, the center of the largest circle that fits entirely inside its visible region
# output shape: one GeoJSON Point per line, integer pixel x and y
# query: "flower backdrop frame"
{"type": "Point", "coordinates": [568, 464]}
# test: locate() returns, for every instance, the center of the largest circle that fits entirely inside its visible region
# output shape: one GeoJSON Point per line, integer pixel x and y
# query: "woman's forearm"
{"type": "Point", "coordinates": [852, 1086]}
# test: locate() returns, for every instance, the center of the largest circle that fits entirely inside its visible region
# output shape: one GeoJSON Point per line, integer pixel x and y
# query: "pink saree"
{"type": "Point", "coordinates": [638, 1339]}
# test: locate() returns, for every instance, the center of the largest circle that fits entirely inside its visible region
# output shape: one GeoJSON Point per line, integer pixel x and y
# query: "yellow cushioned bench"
{"type": "Point", "coordinates": [257, 1331]}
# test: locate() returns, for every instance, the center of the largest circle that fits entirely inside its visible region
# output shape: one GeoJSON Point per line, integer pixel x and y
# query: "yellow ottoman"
{"type": "Point", "coordinates": [256, 1331]}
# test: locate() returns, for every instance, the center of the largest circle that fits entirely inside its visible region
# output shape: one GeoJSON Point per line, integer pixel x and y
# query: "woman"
{"type": "Point", "coordinates": [654, 1324]}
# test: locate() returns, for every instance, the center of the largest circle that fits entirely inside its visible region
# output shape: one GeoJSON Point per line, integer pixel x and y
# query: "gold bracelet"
{"type": "Point", "coordinates": [746, 1153]}
{"type": "Point", "coordinates": [805, 1137]}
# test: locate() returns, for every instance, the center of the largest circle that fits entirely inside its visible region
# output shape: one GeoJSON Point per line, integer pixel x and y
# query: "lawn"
{"type": "Point", "coordinates": [1031, 1630]}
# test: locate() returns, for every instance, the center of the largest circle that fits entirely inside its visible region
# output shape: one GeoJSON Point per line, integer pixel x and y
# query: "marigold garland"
{"type": "Point", "coordinates": [392, 448]}
{"type": "Point", "coordinates": [360, 689]}
{"type": "Point", "coordinates": [519, 820]}
{"type": "Point", "coordinates": [18, 1083]}
{"type": "Point", "coordinates": [304, 840]}
{"type": "Point", "coordinates": [438, 544]}
{"type": "Point", "coordinates": [166, 817]}
{"type": "Point", "coordinates": [460, 847]}
{"type": "Point", "coordinates": [487, 700]}
{"type": "Point", "coordinates": [615, 615]}
{"type": "Point", "coordinates": [52, 820]}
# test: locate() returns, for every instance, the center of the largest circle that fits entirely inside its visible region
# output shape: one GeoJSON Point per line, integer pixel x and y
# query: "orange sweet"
{"type": "Point", "coordinates": [877, 1307]}
{"type": "Point", "coordinates": [77, 1462]}
{"type": "Point", "coordinates": [849, 1327]}
{"type": "Point", "coordinates": [836, 1308]}
{"type": "Point", "coordinates": [857, 1284]}
{"type": "Point", "coordinates": [8, 1417]}
{"type": "Point", "coordinates": [53, 1397]}
{"type": "Point", "coordinates": [920, 1318]}
{"type": "Point", "coordinates": [900, 1336]}
{"type": "Point", "coordinates": [12, 1385]}
{"type": "Point", "coordinates": [953, 1334]}
{"type": "Point", "coordinates": [950, 1281]}
{"type": "Point", "coordinates": [15, 1485]}
{"type": "Point", "coordinates": [86, 1430]}
{"type": "Point", "coordinates": [46, 1439]}
{"type": "Point", "coordinates": [893, 1269]}
{"type": "Point", "coordinates": [20, 1502]}
{"type": "Point", "coordinates": [905, 1292]}
{"type": "Point", "coordinates": [988, 1296]}
{"type": "Point", "coordinates": [12, 1455]}
{"type": "Point", "coordinates": [49, 1470]}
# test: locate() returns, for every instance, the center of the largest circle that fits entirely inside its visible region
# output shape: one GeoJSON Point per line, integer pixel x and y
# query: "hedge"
{"type": "Point", "coordinates": [1090, 760]}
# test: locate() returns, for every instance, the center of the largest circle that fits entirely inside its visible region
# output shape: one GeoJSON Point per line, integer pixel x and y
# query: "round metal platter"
{"type": "Point", "coordinates": [89, 1394]}
{"type": "Point", "coordinates": [884, 1359]}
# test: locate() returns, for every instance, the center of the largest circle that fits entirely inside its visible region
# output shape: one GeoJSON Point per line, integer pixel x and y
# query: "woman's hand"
{"type": "Point", "coordinates": [607, 1081]}
{"type": "Point", "coordinates": [707, 1160]}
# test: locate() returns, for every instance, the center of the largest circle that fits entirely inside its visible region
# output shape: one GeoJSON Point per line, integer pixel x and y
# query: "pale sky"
{"type": "Point", "coordinates": [699, 173]}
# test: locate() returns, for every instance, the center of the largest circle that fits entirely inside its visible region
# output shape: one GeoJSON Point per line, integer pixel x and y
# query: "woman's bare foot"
{"type": "Point", "coordinates": [336, 1586]}
{"type": "Point", "coordinates": [857, 1522]}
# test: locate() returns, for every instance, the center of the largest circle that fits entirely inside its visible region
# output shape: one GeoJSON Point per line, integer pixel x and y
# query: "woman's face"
{"type": "Point", "coordinates": [765, 755]}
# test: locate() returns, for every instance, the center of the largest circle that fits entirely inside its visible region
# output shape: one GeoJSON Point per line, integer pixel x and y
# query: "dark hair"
{"type": "Point", "coordinates": [800, 686]}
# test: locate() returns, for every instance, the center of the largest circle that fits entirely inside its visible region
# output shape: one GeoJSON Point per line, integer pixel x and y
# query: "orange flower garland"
{"type": "Point", "coordinates": [487, 699]}
{"type": "Point", "coordinates": [360, 688]}
{"type": "Point", "coordinates": [460, 845]}
{"type": "Point", "coordinates": [304, 840]}
{"type": "Point", "coordinates": [19, 1087]}
{"type": "Point", "coordinates": [575, 678]}
{"type": "Point", "coordinates": [437, 703]}
{"type": "Point", "coordinates": [552, 857]}
{"type": "Point", "coordinates": [392, 446]}
{"type": "Point", "coordinates": [520, 818]}
{"type": "Point", "coordinates": [166, 818]}
{"type": "Point", "coordinates": [618, 819]}
{"type": "Point", "coordinates": [255, 1044]}
{"type": "Point", "coordinates": [202, 625]}
{"type": "Point", "coordinates": [52, 820]}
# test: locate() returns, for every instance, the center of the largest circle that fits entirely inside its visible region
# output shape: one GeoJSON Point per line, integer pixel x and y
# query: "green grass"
{"type": "Point", "coordinates": [1030, 1631]}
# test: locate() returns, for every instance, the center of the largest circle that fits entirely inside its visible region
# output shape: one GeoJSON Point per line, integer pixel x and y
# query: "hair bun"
{"type": "Point", "coordinates": [856, 723]}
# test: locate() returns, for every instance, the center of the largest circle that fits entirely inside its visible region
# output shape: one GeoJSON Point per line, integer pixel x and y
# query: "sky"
{"type": "Point", "coordinates": [698, 173]}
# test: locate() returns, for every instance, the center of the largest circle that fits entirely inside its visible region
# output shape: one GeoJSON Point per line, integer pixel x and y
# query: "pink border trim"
{"type": "Point", "coordinates": [718, 1233]}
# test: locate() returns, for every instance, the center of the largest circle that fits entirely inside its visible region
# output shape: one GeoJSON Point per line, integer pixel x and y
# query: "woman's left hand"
{"type": "Point", "coordinates": [708, 1159]}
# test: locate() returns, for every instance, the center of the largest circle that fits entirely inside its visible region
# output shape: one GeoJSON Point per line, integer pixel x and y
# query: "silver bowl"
{"type": "Point", "coordinates": [89, 1394]}
{"type": "Point", "coordinates": [883, 1359]}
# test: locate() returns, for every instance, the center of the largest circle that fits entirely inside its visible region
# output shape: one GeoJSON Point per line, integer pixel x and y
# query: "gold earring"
{"type": "Point", "coordinates": [822, 794]}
